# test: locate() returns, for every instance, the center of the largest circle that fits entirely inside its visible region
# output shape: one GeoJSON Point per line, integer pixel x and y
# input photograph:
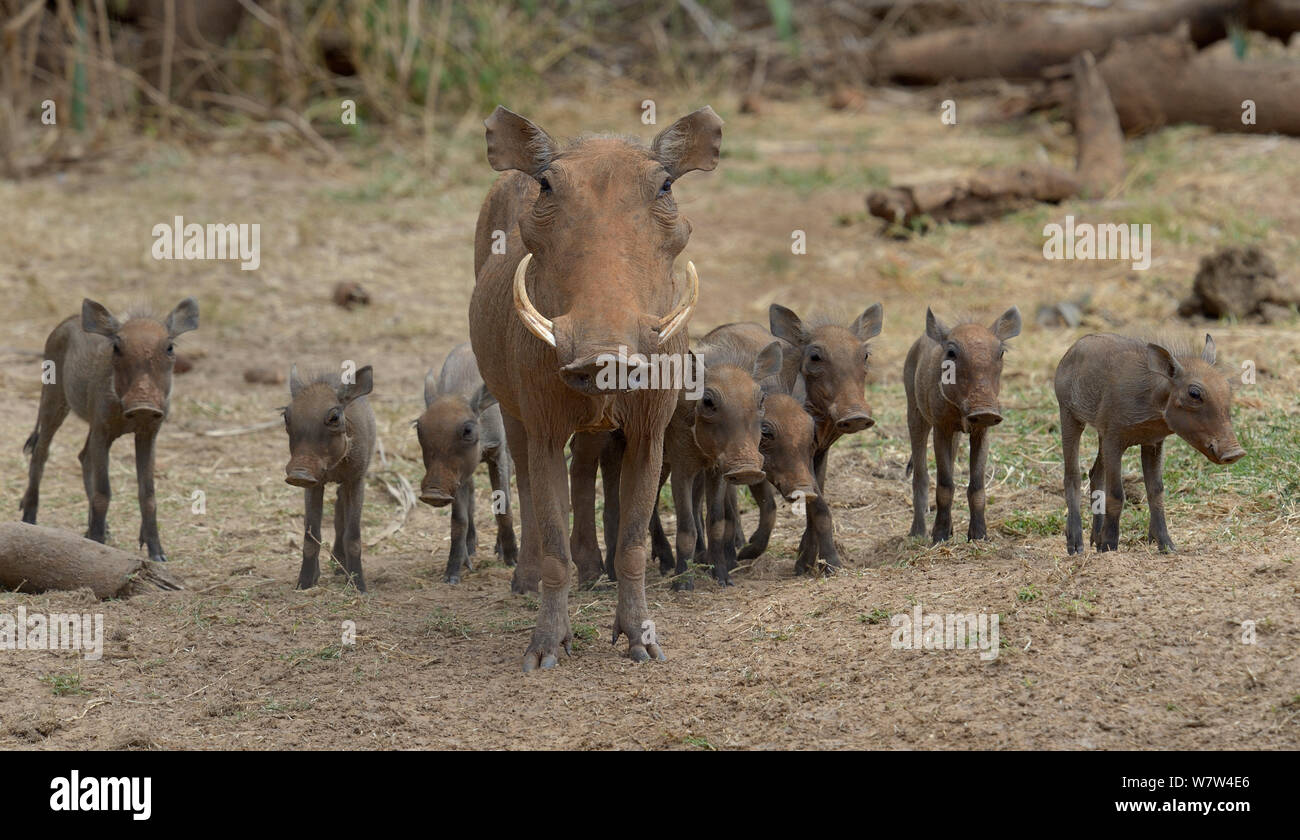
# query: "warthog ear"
{"type": "Point", "coordinates": [690, 143]}
{"type": "Point", "coordinates": [1208, 353]}
{"type": "Point", "coordinates": [768, 362]}
{"type": "Point", "coordinates": [183, 318]}
{"type": "Point", "coordinates": [869, 323]}
{"type": "Point", "coordinates": [516, 143]}
{"type": "Point", "coordinates": [96, 319]}
{"type": "Point", "coordinates": [359, 387]}
{"type": "Point", "coordinates": [1008, 326]}
{"type": "Point", "coordinates": [295, 381]}
{"type": "Point", "coordinates": [784, 324]}
{"type": "Point", "coordinates": [935, 328]}
{"type": "Point", "coordinates": [482, 400]}
{"type": "Point", "coordinates": [1161, 361]}
{"type": "Point", "coordinates": [430, 388]}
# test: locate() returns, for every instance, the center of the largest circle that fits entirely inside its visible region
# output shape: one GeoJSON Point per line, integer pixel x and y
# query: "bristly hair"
{"type": "Point", "coordinates": [630, 139]}
{"type": "Point", "coordinates": [1181, 347]}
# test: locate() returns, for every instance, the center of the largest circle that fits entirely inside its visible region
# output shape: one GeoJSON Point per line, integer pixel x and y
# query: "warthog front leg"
{"type": "Point", "coordinates": [684, 507]}
{"type": "Point", "coordinates": [144, 449]}
{"type": "Point", "coordinates": [499, 475]}
{"type": "Point", "coordinates": [975, 495]}
{"type": "Point", "coordinates": [586, 449]}
{"type": "Point", "coordinates": [352, 496]}
{"type": "Point", "coordinates": [314, 498]}
{"type": "Point", "coordinates": [944, 451]}
{"type": "Point", "coordinates": [919, 431]}
{"type": "Point", "coordinates": [461, 515]}
{"type": "Point", "coordinates": [719, 533]}
{"type": "Point", "coordinates": [1096, 483]}
{"type": "Point", "coordinates": [94, 472]}
{"type": "Point", "coordinates": [638, 487]}
{"type": "Point", "coordinates": [765, 495]}
{"type": "Point", "coordinates": [611, 467]}
{"type": "Point", "coordinates": [1071, 431]}
{"type": "Point", "coordinates": [528, 571]}
{"type": "Point", "coordinates": [1112, 454]}
{"type": "Point", "coordinates": [1152, 474]}
{"type": "Point", "coordinates": [550, 491]}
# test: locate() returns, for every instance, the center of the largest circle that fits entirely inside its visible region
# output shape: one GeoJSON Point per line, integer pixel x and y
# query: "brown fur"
{"type": "Point", "coordinates": [603, 240]}
{"type": "Point", "coordinates": [828, 365]}
{"type": "Point", "coordinates": [331, 437]}
{"type": "Point", "coordinates": [118, 378]}
{"type": "Point", "coordinates": [1137, 393]}
{"type": "Point", "coordinates": [459, 429]}
{"type": "Point", "coordinates": [970, 355]}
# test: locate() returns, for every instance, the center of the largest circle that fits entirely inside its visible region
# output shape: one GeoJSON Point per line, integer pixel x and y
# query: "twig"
{"type": "Point", "coordinates": [241, 430]}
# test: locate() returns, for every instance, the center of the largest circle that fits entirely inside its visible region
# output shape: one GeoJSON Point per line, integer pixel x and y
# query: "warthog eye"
{"type": "Point", "coordinates": [667, 187]}
{"type": "Point", "coordinates": [708, 402]}
{"type": "Point", "coordinates": [117, 348]}
{"type": "Point", "coordinates": [546, 185]}
{"type": "Point", "coordinates": [951, 354]}
{"type": "Point", "coordinates": [1195, 393]}
{"type": "Point", "coordinates": [171, 349]}
{"type": "Point", "coordinates": [334, 417]}
{"type": "Point", "coordinates": [769, 431]}
{"type": "Point", "coordinates": [468, 433]}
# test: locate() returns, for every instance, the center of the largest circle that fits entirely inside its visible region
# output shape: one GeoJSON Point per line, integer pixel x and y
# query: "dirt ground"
{"type": "Point", "coordinates": [1130, 649]}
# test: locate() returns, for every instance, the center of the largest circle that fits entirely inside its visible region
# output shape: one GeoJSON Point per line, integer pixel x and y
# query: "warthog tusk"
{"type": "Point", "coordinates": [537, 323]}
{"type": "Point", "coordinates": [674, 320]}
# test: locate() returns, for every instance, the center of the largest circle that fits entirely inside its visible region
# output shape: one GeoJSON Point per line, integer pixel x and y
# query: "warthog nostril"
{"type": "Point", "coordinates": [984, 418]}
{"type": "Point", "coordinates": [301, 478]}
{"type": "Point", "coordinates": [745, 476]}
{"type": "Point", "coordinates": [854, 423]}
{"type": "Point", "coordinates": [583, 376]}
{"type": "Point", "coordinates": [1234, 454]}
{"type": "Point", "coordinates": [436, 498]}
{"type": "Point", "coordinates": [142, 410]}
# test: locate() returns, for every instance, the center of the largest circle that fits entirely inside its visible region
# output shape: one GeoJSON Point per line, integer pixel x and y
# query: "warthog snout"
{"type": "Point", "coordinates": [855, 422]}
{"type": "Point", "coordinates": [142, 410]}
{"type": "Point", "coordinates": [300, 477]}
{"type": "Point", "coordinates": [745, 475]}
{"type": "Point", "coordinates": [435, 498]}
{"type": "Point", "coordinates": [583, 375]}
{"type": "Point", "coordinates": [983, 417]}
{"type": "Point", "coordinates": [1225, 454]}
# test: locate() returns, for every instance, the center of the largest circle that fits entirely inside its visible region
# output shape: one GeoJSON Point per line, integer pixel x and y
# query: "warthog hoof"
{"type": "Point", "coordinates": [544, 650]}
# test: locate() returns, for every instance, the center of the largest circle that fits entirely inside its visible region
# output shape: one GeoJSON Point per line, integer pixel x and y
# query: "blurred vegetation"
{"type": "Point", "coordinates": [203, 68]}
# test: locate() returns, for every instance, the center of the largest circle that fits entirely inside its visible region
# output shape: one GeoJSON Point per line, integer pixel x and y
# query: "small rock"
{"type": "Point", "coordinates": [348, 295]}
{"type": "Point", "coordinates": [1241, 283]}
{"type": "Point", "coordinates": [264, 376]}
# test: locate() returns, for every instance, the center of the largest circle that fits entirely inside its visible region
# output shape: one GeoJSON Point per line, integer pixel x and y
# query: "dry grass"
{"type": "Point", "coordinates": [1130, 649]}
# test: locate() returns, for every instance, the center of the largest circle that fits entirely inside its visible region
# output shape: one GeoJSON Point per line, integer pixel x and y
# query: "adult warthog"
{"type": "Point", "coordinates": [591, 231]}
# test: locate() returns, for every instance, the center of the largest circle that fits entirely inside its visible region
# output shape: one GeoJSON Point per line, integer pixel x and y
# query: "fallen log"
{"type": "Point", "coordinates": [1023, 49]}
{"type": "Point", "coordinates": [996, 191]}
{"type": "Point", "coordinates": [1159, 80]}
{"type": "Point", "coordinates": [34, 558]}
